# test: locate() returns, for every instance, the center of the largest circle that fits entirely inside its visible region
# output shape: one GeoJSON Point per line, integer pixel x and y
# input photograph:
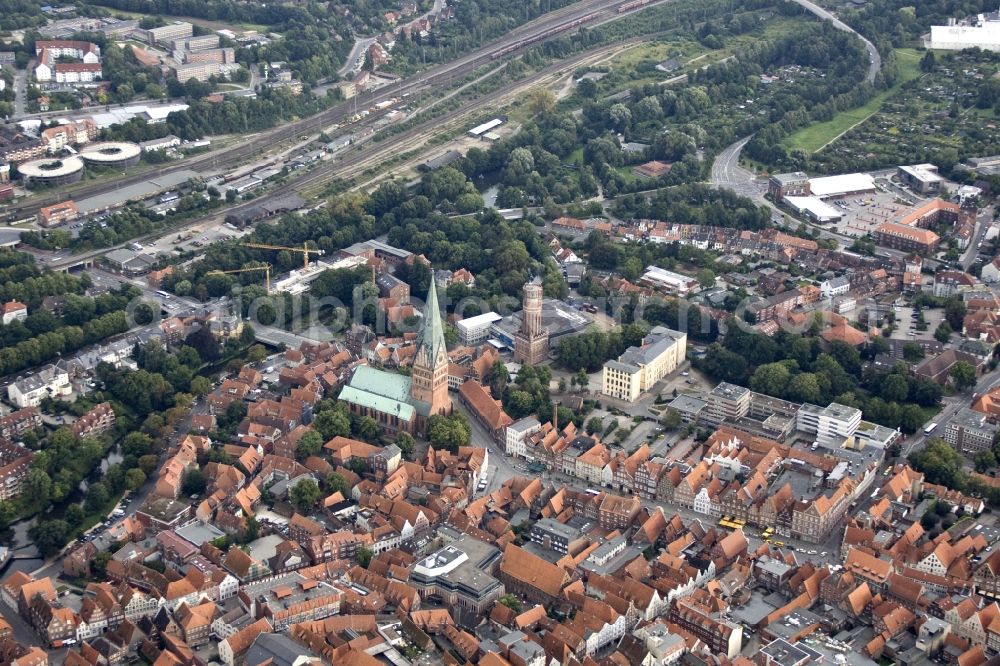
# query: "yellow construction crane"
{"type": "Point", "coordinates": [305, 250]}
{"type": "Point", "coordinates": [266, 268]}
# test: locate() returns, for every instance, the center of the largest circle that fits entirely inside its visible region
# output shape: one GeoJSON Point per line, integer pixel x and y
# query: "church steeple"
{"type": "Point", "coordinates": [429, 379]}
{"type": "Point", "coordinates": [430, 341]}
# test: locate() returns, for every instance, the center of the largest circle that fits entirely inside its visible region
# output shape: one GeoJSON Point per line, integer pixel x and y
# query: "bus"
{"type": "Point", "coordinates": [929, 429]}
{"type": "Point", "coordinates": [591, 491]}
{"type": "Point", "coordinates": [163, 294]}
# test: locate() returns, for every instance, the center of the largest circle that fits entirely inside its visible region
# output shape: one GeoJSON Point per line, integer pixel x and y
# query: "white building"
{"type": "Point", "coordinates": [991, 271]}
{"type": "Point", "coordinates": [668, 281]}
{"type": "Point", "coordinates": [845, 305]}
{"type": "Point", "coordinates": [832, 424]}
{"type": "Point", "coordinates": [815, 209]}
{"type": "Point", "coordinates": [639, 368]}
{"type": "Point", "coordinates": [872, 435]}
{"type": "Point", "coordinates": [77, 72]}
{"type": "Point", "coordinates": [837, 286]}
{"type": "Point", "coordinates": [43, 73]}
{"type": "Point", "coordinates": [169, 141]}
{"type": "Point", "coordinates": [480, 130]}
{"type": "Point", "coordinates": [923, 178]}
{"type": "Point", "coordinates": [846, 184]}
{"type": "Point", "coordinates": [87, 630]}
{"type": "Point", "coordinates": [475, 330]}
{"type": "Point", "coordinates": [49, 382]}
{"type": "Point", "coordinates": [141, 605]}
{"type": "Point", "coordinates": [518, 433]}
{"type": "Point", "coordinates": [665, 647]}
{"type": "Point", "coordinates": [609, 632]}
{"type": "Point", "coordinates": [702, 502]}
{"type": "Point", "coordinates": [983, 33]}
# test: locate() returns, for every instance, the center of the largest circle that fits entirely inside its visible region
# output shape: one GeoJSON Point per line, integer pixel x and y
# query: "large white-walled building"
{"type": "Point", "coordinates": [983, 32]}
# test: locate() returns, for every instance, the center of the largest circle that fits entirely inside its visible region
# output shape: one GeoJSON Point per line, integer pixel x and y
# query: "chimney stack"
{"type": "Point", "coordinates": [555, 416]}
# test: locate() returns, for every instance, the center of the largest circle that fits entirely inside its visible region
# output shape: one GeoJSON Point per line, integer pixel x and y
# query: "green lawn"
{"type": "Point", "coordinates": [627, 174]}
{"type": "Point", "coordinates": [814, 137]}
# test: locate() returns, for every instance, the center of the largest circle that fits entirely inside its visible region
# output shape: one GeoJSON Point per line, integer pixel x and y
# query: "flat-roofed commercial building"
{"type": "Point", "coordinates": [290, 598]}
{"type": "Point", "coordinates": [969, 431]}
{"type": "Point", "coordinates": [832, 425]}
{"type": "Point", "coordinates": [553, 535]}
{"type": "Point", "coordinates": [475, 330]}
{"type": "Point", "coordinates": [668, 281]}
{"type": "Point", "coordinates": [922, 178]}
{"type": "Point", "coordinates": [781, 185]}
{"type": "Point", "coordinates": [462, 575]}
{"type": "Point", "coordinates": [985, 35]}
{"type": "Point", "coordinates": [167, 33]}
{"type": "Point", "coordinates": [726, 402]}
{"type": "Point", "coordinates": [842, 185]}
{"type": "Point", "coordinates": [814, 208]}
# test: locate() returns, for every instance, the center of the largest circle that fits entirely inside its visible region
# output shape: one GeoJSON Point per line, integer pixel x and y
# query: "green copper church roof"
{"type": "Point", "coordinates": [430, 341]}
{"type": "Point", "coordinates": [380, 390]}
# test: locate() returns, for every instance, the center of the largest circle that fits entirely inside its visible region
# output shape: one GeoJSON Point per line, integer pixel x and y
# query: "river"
{"type": "Point", "coordinates": [24, 555]}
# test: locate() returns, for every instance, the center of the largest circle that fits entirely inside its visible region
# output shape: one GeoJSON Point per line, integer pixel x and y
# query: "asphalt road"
{"type": "Point", "coordinates": [952, 404]}
{"type": "Point", "coordinates": [727, 172]}
{"type": "Point", "coordinates": [22, 631]}
{"type": "Point", "coordinates": [874, 59]}
{"type": "Point", "coordinates": [20, 92]}
{"type": "Point", "coordinates": [356, 58]}
{"type": "Point", "coordinates": [983, 223]}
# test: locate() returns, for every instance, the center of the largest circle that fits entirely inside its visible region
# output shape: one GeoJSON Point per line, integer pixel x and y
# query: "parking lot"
{"type": "Point", "coordinates": [863, 213]}
{"type": "Point", "coordinates": [200, 236]}
{"type": "Point", "coordinates": [99, 533]}
{"type": "Point", "coordinates": [906, 327]}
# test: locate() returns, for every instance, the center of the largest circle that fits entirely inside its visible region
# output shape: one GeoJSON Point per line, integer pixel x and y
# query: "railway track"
{"type": "Point", "coordinates": [541, 29]}
{"type": "Point", "coordinates": [349, 166]}
{"type": "Point", "coordinates": [391, 145]}
{"type": "Point", "coordinates": [316, 178]}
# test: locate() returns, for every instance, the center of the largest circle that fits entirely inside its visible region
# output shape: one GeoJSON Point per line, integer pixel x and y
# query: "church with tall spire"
{"type": "Point", "coordinates": [403, 404]}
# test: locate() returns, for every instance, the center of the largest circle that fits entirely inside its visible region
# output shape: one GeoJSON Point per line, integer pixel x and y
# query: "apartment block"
{"type": "Point", "coordinates": [725, 402]}
{"type": "Point", "coordinates": [518, 433]}
{"type": "Point", "coordinates": [970, 431]}
{"type": "Point", "coordinates": [832, 425]}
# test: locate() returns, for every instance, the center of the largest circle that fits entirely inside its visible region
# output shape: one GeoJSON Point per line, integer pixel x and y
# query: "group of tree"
{"type": "Point", "coordinates": [696, 204]}
{"type": "Point", "coordinates": [802, 368]}
{"type": "Point", "coordinates": [163, 380]}
{"type": "Point", "coordinates": [44, 336]}
{"type": "Point", "coordinates": [449, 432]}
{"type": "Point", "coordinates": [590, 349]}
{"type": "Point", "coordinates": [22, 280]}
{"type": "Point", "coordinates": [62, 462]}
{"type": "Point", "coordinates": [503, 255]}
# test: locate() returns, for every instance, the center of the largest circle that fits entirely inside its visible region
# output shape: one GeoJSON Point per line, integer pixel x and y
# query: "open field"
{"type": "Point", "coordinates": [813, 138]}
